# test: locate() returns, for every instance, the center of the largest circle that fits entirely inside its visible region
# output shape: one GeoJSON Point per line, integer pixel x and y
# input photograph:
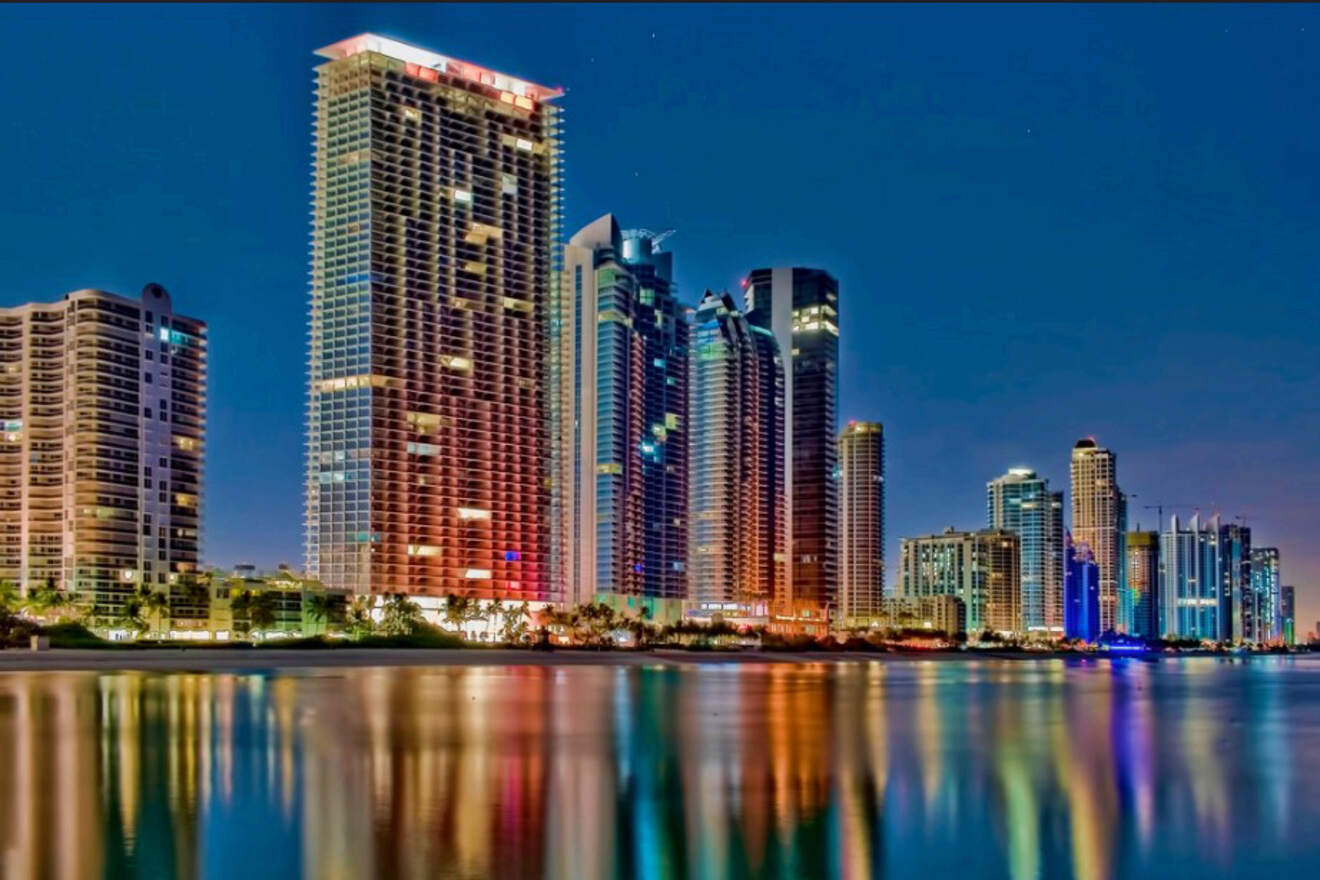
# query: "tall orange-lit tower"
{"type": "Point", "coordinates": [435, 218]}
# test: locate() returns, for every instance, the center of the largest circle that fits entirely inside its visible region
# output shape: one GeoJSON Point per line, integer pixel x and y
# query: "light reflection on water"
{"type": "Point", "coordinates": [908, 769]}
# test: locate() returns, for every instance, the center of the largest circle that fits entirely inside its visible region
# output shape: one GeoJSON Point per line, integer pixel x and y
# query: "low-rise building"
{"type": "Point", "coordinates": [942, 614]}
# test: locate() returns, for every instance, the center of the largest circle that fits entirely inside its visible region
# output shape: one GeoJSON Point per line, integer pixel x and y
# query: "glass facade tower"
{"type": "Point", "coordinates": [1191, 580]}
{"type": "Point", "coordinates": [1022, 502]}
{"type": "Point", "coordinates": [800, 307]}
{"type": "Point", "coordinates": [1143, 582]}
{"type": "Point", "coordinates": [736, 504]}
{"type": "Point", "coordinates": [1266, 590]}
{"type": "Point", "coordinates": [1288, 615]}
{"type": "Point", "coordinates": [664, 448]}
{"type": "Point", "coordinates": [1081, 592]}
{"type": "Point", "coordinates": [435, 217]}
{"type": "Point", "coordinates": [619, 418]}
{"type": "Point", "coordinates": [1236, 611]}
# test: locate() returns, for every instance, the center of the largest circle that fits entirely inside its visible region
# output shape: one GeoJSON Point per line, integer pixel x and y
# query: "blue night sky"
{"type": "Point", "coordinates": [1047, 221]}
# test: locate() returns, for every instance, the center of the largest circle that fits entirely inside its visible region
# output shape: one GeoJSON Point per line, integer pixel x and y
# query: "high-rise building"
{"type": "Point", "coordinates": [1266, 583]}
{"type": "Point", "coordinates": [1288, 615]}
{"type": "Point", "coordinates": [1236, 611]}
{"type": "Point", "coordinates": [1191, 580]}
{"type": "Point", "coordinates": [664, 408]}
{"type": "Point", "coordinates": [737, 534]}
{"type": "Point", "coordinates": [1099, 521]}
{"type": "Point", "coordinates": [861, 520]}
{"type": "Point", "coordinates": [980, 568]}
{"type": "Point", "coordinates": [800, 307]}
{"type": "Point", "coordinates": [619, 418]}
{"type": "Point", "coordinates": [1022, 502]}
{"type": "Point", "coordinates": [435, 220]}
{"type": "Point", "coordinates": [1081, 592]}
{"type": "Point", "coordinates": [1143, 582]}
{"type": "Point", "coordinates": [102, 435]}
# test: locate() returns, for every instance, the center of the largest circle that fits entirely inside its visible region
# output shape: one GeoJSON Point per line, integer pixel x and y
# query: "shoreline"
{"type": "Point", "coordinates": [231, 659]}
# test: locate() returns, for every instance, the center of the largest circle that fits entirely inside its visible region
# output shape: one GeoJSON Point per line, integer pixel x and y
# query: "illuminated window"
{"type": "Point", "coordinates": [454, 362]}
{"type": "Point", "coordinates": [422, 449]}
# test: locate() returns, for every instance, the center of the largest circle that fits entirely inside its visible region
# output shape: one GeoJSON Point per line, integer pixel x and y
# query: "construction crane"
{"type": "Point", "coordinates": [1159, 506]}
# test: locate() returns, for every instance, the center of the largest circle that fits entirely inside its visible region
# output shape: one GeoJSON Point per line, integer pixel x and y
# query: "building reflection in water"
{"type": "Point", "coordinates": [999, 769]}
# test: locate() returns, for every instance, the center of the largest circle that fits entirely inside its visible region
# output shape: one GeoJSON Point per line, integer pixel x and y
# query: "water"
{"type": "Point", "coordinates": [1196, 768]}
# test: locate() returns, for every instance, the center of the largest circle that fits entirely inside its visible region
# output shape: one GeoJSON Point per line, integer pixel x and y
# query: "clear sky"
{"type": "Point", "coordinates": [1047, 221]}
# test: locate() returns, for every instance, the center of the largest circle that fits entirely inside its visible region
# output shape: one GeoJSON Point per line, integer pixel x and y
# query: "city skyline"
{"type": "Point", "coordinates": [236, 532]}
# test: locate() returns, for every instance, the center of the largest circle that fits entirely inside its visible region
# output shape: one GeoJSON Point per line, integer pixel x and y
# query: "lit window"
{"type": "Point", "coordinates": [454, 362]}
{"type": "Point", "coordinates": [422, 449]}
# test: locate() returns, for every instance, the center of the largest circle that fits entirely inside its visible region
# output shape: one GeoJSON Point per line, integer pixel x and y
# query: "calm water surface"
{"type": "Point", "coordinates": [914, 770]}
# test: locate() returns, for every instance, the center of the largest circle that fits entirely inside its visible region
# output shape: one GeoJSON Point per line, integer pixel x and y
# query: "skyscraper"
{"type": "Point", "coordinates": [800, 307]}
{"type": "Point", "coordinates": [1266, 583]}
{"type": "Point", "coordinates": [1288, 615]}
{"type": "Point", "coordinates": [619, 418]}
{"type": "Point", "coordinates": [1099, 521]}
{"type": "Point", "coordinates": [861, 519]}
{"type": "Point", "coordinates": [664, 452]}
{"type": "Point", "coordinates": [1236, 611]}
{"type": "Point", "coordinates": [736, 501]}
{"type": "Point", "coordinates": [980, 568]}
{"type": "Point", "coordinates": [1022, 502]}
{"type": "Point", "coordinates": [1191, 580]}
{"type": "Point", "coordinates": [1143, 581]}
{"type": "Point", "coordinates": [102, 436]}
{"type": "Point", "coordinates": [436, 206]}
{"type": "Point", "coordinates": [1081, 592]}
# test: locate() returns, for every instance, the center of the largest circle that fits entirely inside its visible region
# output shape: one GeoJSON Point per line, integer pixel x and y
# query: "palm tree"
{"type": "Point", "coordinates": [601, 620]}
{"type": "Point", "coordinates": [40, 600]}
{"type": "Point", "coordinates": [400, 616]}
{"type": "Point", "coordinates": [456, 611]}
{"type": "Point", "coordinates": [514, 629]}
{"type": "Point", "coordinates": [156, 606]}
{"type": "Point", "coordinates": [555, 620]}
{"type": "Point", "coordinates": [318, 607]}
{"type": "Point", "coordinates": [130, 615]}
{"type": "Point", "coordinates": [357, 616]}
{"type": "Point", "coordinates": [10, 597]}
{"type": "Point", "coordinates": [640, 626]}
{"type": "Point", "coordinates": [261, 611]}
{"type": "Point", "coordinates": [241, 607]}
{"type": "Point", "coordinates": [475, 612]}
